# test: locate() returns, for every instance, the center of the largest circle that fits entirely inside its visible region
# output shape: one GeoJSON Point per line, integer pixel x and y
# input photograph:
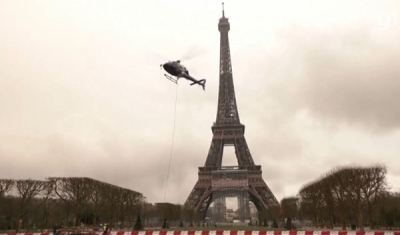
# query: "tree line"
{"type": "Point", "coordinates": [72, 202]}
{"type": "Point", "coordinates": [27, 204]}
{"type": "Point", "coordinates": [350, 196]}
{"type": "Point", "coordinates": [345, 196]}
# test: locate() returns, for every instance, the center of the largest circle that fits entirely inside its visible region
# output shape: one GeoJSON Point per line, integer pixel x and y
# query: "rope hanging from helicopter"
{"type": "Point", "coordinates": [178, 71]}
{"type": "Point", "coordinates": [172, 144]}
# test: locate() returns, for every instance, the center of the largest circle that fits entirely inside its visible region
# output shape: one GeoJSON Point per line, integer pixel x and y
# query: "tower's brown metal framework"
{"type": "Point", "coordinates": [214, 180]}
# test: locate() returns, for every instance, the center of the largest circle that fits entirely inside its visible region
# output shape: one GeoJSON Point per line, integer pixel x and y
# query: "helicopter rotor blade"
{"type": "Point", "coordinates": [193, 52]}
{"type": "Point", "coordinates": [155, 56]}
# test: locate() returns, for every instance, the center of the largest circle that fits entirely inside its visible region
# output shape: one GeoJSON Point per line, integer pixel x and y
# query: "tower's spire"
{"type": "Point", "coordinates": [223, 11]}
{"type": "Point", "coordinates": [227, 113]}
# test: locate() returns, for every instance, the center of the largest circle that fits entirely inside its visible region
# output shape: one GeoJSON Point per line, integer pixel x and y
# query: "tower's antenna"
{"type": "Point", "coordinates": [223, 12]}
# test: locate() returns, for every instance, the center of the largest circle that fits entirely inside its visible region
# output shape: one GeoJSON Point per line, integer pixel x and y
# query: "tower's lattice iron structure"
{"type": "Point", "coordinates": [216, 182]}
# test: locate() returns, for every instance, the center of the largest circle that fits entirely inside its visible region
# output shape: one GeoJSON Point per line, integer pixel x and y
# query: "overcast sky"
{"type": "Point", "coordinates": [317, 85]}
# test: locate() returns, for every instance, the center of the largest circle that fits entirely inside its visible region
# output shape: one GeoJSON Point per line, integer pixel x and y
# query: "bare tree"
{"type": "Point", "coordinates": [388, 214]}
{"type": "Point", "coordinates": [365, 185]}
{"type": "Point", "coordinates": [289, 207]}
{"type": "Point", "coordinates": [188, 214]}
{"type": "Point", "coordinates": [97, 191]}
{"type": "Point", "coordinates": [338, 182]}
{"type": "Point", "coordinates": [345, 191]}
{"type": "Point", "coordinates": [111, 203]}
{"type": "Point", "coordinates": [135, 205]}
{"type": "Point", "coordinates": [374, 188]}
{"type": "Point", "coordinates": [61, 200]}
{"type": "Point", "coordinates": [312, 201]}
{"type": "Point", "coordinates": [27, 191]}
{"type": "Point", "coordinates": [5, 186]}
{"type": "Point", "coordinates": [169, 211]}
{"type": "Point", "coordinates": [124, 197]}
{"type": "Point", "coordinates": [274, 212]}
{"type": "Point", "coordinates": [327, 201]}
{"type": "Point", "coordinates": [7, 208]}
{"type": "Point", "coordinates": [75, 190]}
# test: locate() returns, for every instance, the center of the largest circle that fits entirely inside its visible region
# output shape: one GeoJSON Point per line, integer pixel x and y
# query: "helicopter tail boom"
{"type": "Point", "coordinates": [201, 82]}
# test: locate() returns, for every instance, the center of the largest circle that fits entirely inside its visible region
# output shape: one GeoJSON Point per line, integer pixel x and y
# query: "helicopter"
{"type": "Point", "coordinates": [176, 69]}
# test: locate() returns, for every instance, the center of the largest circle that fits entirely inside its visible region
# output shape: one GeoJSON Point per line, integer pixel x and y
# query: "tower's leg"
{"type": "Point", "coordinates": [220, 205]}
{"type": "Point", "coordinates": [243, 206]}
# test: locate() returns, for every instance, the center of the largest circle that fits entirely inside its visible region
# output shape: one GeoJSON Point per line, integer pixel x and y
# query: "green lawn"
{"type": "Point", "coordinates": [212, 228]}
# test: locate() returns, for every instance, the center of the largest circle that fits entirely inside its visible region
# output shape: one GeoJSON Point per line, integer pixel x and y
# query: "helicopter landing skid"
{"type": "Point", "coordinates": [174, 80]}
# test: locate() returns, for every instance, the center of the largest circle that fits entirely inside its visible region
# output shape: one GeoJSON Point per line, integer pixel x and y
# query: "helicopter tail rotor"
{"type": "Point", "coordinates": [201, 82]}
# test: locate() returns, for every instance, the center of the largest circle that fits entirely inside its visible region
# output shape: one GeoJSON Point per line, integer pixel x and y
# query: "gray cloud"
{"type": "Point", "coordinates": [353, 80]}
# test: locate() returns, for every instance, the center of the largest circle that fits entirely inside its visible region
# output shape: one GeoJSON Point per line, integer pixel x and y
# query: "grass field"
{"type": "Point", "coordinates": [212, 228]}
{"type": "Point", "coordinates": [186, 228]}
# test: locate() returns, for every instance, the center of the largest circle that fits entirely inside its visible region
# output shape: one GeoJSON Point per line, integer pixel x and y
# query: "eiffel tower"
{"type": "Point", "coordinates": [216, 182]}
